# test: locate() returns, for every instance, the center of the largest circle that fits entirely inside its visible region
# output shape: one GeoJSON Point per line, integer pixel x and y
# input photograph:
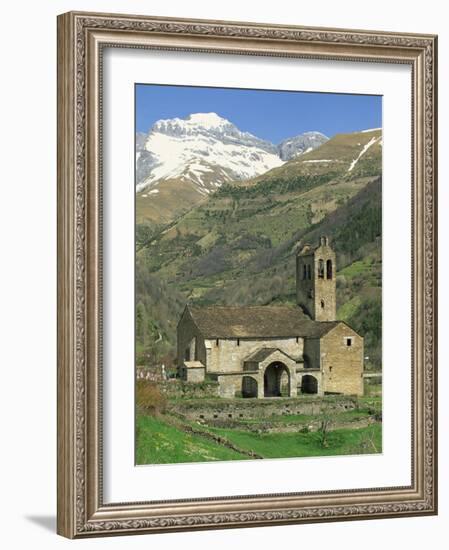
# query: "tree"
{"type": "Point", "coordinates": [149, 398]}
{"type": "Point", "coordinates": [367, 442]}
{"type": "Point", "coordinates": [325, 419]}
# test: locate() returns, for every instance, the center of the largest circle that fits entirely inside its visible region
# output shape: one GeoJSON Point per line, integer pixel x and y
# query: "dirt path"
{"type": "Point", "coordinates": [187, 428]}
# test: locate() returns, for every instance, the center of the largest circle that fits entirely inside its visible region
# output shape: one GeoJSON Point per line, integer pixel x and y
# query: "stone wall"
{"type": "Point", "coordinates": [222, 409]}
{"type": "Point", "coordinates": [227, 355]}
{"type": "Point", "coordinates": [231, 385]}
{"type": "Point", "coordinates": [194, 374]}
{"type": "Point", "coordinates": [342, 365]}
{"type": "Point", "coordinates": [177, 389]}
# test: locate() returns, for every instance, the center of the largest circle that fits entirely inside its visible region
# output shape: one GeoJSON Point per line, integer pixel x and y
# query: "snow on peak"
{"type": "Point", "coordinates": [208, 150]}
{"type": "Point", "coordinates": [202, 148]}
{"type": "Point", "coordinates": [314, 133]}
{"type": "Point", "coordinates": [193, 124]}
{"type": "Point", "coordinates": [208, 120]}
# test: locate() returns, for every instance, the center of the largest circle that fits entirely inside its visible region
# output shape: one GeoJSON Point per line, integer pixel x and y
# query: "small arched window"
{"type": "Point", "coordinates": [320, 269]}
{"type": "Point", "coordinates": [329, 269]}
{"type": "Point", "coordinates": [322, 304]}
{"type": "Point", "coordinates": [309, 272]}
{"type": "Point", "coordinates": [304, 272]}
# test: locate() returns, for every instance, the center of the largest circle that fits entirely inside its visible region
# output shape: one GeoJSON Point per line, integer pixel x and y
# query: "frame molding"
{"type": "Point", "coordinates": [81, 37]}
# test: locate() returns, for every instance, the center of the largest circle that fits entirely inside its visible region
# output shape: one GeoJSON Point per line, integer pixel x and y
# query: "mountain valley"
{"type": "Point", "coordinates": [229, 235]}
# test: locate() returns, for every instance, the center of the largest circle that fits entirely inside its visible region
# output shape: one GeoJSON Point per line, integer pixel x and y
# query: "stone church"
{"type": "Point", "coordinates": [275, 351]}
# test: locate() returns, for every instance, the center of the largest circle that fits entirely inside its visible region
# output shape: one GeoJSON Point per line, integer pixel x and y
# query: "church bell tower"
{"type": "Point", "coordinates": [315, 281]}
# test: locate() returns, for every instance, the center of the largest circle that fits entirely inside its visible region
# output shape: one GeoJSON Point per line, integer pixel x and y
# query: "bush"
{"type": "Point", "coordinates": [149, 398]}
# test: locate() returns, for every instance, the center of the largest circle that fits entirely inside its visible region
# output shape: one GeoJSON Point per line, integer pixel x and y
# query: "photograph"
{"type": "Point", "coordinates": [258, 274]}
{"type": "Point", "coordinates": [247, 274]}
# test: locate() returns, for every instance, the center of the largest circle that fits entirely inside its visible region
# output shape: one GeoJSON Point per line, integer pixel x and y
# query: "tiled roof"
{"type": "Point", "coordinates": [257, 321]}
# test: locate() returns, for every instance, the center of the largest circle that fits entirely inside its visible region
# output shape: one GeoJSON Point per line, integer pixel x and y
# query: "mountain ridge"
{"type": "Point", "coordinates": [190, 148]}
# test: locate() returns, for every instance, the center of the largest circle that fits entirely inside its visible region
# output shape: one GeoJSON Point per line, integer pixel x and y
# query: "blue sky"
{"type": "Point", "coordinates": [271, 115]}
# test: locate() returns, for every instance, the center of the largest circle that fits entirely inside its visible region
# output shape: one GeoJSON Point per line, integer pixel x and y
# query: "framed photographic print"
{"type": "Point", "coordinates": [247, 274]}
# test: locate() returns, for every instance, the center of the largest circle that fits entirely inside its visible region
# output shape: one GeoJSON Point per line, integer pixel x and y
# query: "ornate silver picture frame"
{"type": "Point", "coordinates": [83, 510]}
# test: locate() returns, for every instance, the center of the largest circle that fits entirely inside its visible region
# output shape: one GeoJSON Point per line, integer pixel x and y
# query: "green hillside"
{"type": "Point", "coordinates": [239, 245]}
{"type": "Point", "coordinates": [166, 202]}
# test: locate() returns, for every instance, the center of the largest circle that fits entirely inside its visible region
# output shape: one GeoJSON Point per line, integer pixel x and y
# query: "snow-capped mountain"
{"type": "Point", "coordinates": [206, 150]}
{"type": "Point", "coordinates": [304, 143]}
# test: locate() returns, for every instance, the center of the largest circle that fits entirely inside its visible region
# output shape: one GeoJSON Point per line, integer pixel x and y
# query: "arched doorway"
{"type": "Point", "coordinates": [276, 380]}
{"type": "Point", "coordinates": [309, 384]}
{"type": "Point", "coordinates": [249, 386]}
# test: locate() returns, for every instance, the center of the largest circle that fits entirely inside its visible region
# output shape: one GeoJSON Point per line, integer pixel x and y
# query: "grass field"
{"type": "Point", "coordinates": [286, 445]}
{"type": "Point", "coordinates": [161, 442]}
